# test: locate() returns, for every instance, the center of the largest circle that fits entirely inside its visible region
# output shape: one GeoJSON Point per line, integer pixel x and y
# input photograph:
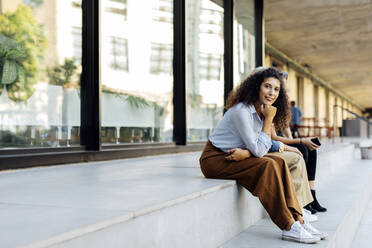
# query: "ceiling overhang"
{"type": "Point", "coordinates": [333, 38]}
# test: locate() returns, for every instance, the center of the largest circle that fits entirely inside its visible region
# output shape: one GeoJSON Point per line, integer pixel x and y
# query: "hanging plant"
{"type": "Point", "coordinates": [22, 42]}
{"type": "Point", "coordinates": [64, 75]}
{"type": "Point", "coordinates": [13, 76]}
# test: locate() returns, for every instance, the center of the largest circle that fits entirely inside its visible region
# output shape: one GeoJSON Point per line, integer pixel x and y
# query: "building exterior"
{"type": "Point", "coordinates": [158, 73]}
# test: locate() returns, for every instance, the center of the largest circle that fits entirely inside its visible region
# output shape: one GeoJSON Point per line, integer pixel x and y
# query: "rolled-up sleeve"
{"type": "Point", "coordinates": [258, 143]}
{"type": "Point", "coordinates": [274, 146]}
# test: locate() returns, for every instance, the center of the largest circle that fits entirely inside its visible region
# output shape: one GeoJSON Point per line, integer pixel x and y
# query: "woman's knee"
{"type": "Point", "coordinates": [274, 162]}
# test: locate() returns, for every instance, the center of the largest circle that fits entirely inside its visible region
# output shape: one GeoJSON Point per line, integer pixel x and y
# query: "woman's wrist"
{"type": "Point", "coordinates": [247, 153]}
{"type": "Point", "coordinates": [300, 141]}
{"type": "Point", "coordinates": [281, 147]}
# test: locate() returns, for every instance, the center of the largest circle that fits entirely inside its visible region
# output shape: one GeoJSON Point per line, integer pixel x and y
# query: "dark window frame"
{"type": "Point", "coordinates": [90, 148]}
{"type": "Point", "coordinates": [228, 48]}
{"type": "Point", "coordinates": [258, 16]}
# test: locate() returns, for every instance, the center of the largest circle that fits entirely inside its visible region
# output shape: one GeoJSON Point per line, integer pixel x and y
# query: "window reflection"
{"type": "Point", "coordinates": [136, 72]}
{"type": "Point", "coordinates": [244, 39]}
{"type": "Point", "coordinates": [118, 7]}
{"type": "Point", "coordinates": [163, 11]}
{"type": "Point", "coordinates": [205, 81]}
{"type": "Point", "coordinates": [161, 58]}
{"type": "Point", "coordinates": [40, 73]}
{"type": "Point", "coordinates": [77, 43]}
{"type": "Point", "coordinates": [118, 50]}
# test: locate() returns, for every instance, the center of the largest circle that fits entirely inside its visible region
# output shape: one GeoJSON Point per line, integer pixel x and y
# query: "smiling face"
{"type": "Point", "coordinates": [269, 91]}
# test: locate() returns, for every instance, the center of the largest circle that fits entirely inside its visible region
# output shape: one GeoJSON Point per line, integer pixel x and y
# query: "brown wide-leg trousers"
{"type": "Point", "coordinates": [268, 178]}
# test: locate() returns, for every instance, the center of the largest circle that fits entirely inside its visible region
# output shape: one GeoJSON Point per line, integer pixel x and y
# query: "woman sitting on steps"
{"type": "Point", "coordinates": [237, 149]}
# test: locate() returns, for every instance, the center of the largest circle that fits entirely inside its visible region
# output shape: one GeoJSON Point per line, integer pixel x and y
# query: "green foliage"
{"type": "Point", "coordinates": [137, 102]}
{"type": "Point", "coordinates": [64, 75]}
{"type": "Point", "coordinates": [10, 73]}
{"type": "Point", "coordinates": [22, 43]}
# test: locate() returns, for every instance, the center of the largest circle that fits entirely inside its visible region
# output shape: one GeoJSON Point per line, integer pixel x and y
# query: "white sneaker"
{"type": "Point", "coordinates": [308, 216]}
{"type": "Point", "coordinates": [299, 234]}
{"type": "Point", "coordinates": [313, 231]}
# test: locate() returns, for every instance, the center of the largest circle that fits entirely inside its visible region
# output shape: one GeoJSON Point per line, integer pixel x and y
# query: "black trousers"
{"type": "Point", "coordinates": [310, 160]}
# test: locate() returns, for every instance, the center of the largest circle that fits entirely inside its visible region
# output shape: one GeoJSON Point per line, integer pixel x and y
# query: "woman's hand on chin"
{"type": "Point", "coordinates": [237, 154]}
{"type": "Point", "coordinates": [268, 111]}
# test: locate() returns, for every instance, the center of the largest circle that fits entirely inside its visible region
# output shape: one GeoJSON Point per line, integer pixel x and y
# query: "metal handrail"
{"type": "Point", "coordinates": [356, 115]}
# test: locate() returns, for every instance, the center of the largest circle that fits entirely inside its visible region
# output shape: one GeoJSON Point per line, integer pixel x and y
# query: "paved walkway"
{"type": "Point", "coordinates": [363, 235]}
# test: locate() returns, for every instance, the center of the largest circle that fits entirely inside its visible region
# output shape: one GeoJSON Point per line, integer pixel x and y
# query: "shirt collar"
{"type": "Point", "coordinates": [252, 109]}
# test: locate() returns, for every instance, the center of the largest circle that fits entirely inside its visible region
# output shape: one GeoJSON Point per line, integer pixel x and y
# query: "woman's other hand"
{"type": "Point", "coordinates": [268, 111]}
{"type": "Point", "coordinates": [307, 142]}
{"type": "Point", "coordinates": [292, 149]}
{"type": "Point", "coordinates": [237, 154]}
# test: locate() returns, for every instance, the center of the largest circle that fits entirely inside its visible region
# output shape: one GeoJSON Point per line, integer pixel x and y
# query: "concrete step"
{"type": "Point", "coordinates": [345, 194]}
{"type": "Point", "coordinates": [362, 238]}
{"type": "Point", "coordinates": [161, 201]}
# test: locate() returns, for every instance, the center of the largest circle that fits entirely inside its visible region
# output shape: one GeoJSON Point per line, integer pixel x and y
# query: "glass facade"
{"type": "Point", "coordinates": [244, 39]}
{"type": "Point", "coordinates": [129, 60]}
{"type": "Point", "coordinates": [205, 71]}
{"type": "Point", "coordinates": [40, 66]}
{"type": "Point", "coordinates": [136, 71]}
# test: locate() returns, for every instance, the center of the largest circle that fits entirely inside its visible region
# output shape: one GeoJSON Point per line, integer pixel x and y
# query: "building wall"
{"type": "Point", "coordinates": [331, 108]}
{"type": "Point", "coordinates": [9, 5]}
{"type": "Point", "coordinates": [292, 85]}
{"type": "Point", "coordinates": [308, 110]}
{"type": "Point", "coordinates": [322, 111]}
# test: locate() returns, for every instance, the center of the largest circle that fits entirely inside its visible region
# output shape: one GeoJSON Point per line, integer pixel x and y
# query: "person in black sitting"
{"type": "Point", "coordinates": [309, 152]}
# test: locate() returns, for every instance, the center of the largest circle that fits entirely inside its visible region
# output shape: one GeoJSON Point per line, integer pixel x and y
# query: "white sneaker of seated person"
{"type": "Point", "coordinates": [308, 216]}
{"type": "Point", "coordinates": [313, 231]}
{"type": "Point", "coordinates": [299, 234]}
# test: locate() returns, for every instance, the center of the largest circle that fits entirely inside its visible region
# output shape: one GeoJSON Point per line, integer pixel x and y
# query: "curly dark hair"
{"type": "Point", "coordinates": [248, 92]}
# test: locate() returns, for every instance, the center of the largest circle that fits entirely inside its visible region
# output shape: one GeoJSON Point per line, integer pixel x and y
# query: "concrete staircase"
{"type": "Point", "coordinates": [164, 201]}
{"type": "Point", "coordinates": [345, 193]}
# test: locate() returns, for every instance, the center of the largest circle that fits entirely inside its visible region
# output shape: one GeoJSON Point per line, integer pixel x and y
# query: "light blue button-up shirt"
{"type": "Point", "coordinates": [241, 127]}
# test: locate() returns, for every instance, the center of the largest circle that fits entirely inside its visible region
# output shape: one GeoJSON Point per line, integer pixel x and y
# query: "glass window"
{"type": "Point", "coordinates": [210, 66]}
{"type": "Point", "coordinates": [75, 3]}
{"type": "Point", "coordinates": [77, 43]}
{"type": "Point", "coordinates": [205, 82]}
{"type": "Point", "coordinates": [161, 58]}
{"type": "Point", "coordinates": [244, 39]}
{"type": "Point", "coordinates": [39, 73]}
{"type": "Point", "coordinates": [136, 73]}
{"type": "Point", "coordinates": [211, 19]}
{"type": "Point", "coordinates": [117, 7]}
{"type": "Point", "coordinates": [118, 50]}
{"type": "Point", "coordinates": [163, 11]}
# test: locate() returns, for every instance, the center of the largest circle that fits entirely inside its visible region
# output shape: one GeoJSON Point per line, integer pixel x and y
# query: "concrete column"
{"type": "Point", "coordinates": [117, 135]}
{"type": "Point", "coordinates": [33, 134]}
{"type": "Point", "coordinates": [68, 138]}
{"type": "Point", "coordinates": [59, 135]}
